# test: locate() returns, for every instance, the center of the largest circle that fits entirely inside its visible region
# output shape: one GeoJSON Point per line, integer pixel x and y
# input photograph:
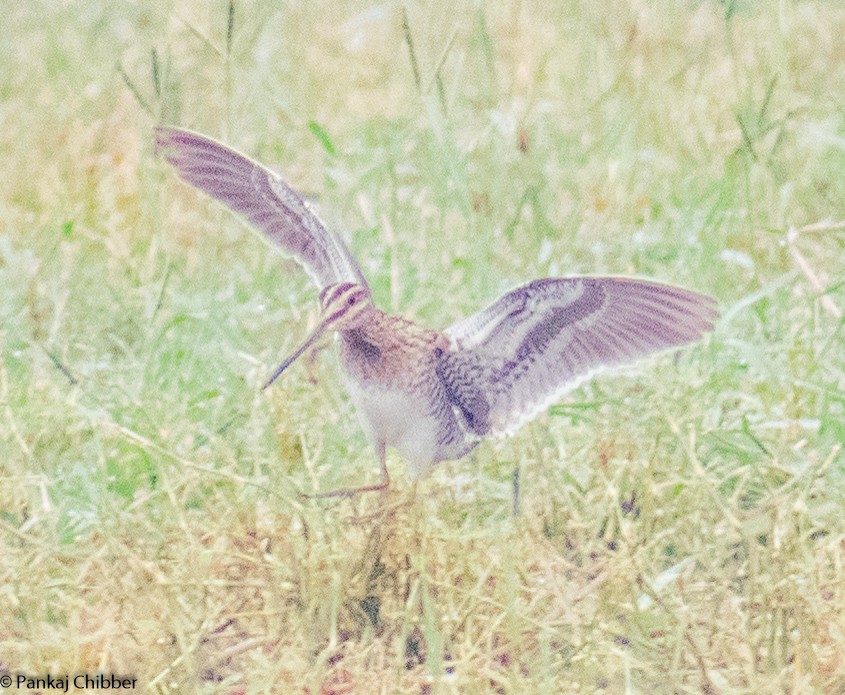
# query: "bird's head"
{"type": "Point", "coordinates": [344, 307]}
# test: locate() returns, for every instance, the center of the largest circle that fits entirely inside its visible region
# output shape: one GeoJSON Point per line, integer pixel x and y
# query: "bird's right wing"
{"type": "Point", "coordinates": [523, 352]}
{"type": "Point", "coordinates": [261, 196]}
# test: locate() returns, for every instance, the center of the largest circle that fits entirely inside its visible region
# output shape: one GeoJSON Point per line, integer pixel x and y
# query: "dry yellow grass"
{"type": "Point", "coordinates": [681, 526]}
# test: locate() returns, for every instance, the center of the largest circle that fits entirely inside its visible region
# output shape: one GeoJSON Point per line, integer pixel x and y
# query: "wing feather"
{"type": "Point", "coordinates": [261, 196]}
{"type": "Point", "coordinates": [535, 343]}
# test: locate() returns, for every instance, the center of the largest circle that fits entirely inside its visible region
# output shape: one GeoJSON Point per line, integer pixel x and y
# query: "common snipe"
{"type": "Point", "coordinates": [433, 395]}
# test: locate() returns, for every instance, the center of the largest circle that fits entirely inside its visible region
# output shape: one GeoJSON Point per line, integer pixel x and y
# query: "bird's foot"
{"type": "Point", "coordinates": [346, 491]}
{"type": "Point", "coordinates": [382, 486]}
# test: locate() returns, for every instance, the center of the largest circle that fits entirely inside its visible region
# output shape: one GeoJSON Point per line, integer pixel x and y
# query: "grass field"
{"type": "Point", "coordinates": [680, 526]}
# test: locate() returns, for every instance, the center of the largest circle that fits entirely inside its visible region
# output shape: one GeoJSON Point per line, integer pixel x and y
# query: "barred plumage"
{"type": "Point", "coordinates": [264, 199]}
{"type": "Point", "coordinates": [433, 395]}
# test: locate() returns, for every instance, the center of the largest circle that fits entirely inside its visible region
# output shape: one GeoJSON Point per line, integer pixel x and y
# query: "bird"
{"type": "Point", "coordinates": [434, 395]}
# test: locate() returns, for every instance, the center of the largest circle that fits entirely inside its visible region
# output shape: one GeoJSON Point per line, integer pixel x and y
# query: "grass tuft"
{"type": "Point", "coordinates": [680, 526]}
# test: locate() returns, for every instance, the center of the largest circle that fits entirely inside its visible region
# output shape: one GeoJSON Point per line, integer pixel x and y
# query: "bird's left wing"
{"type": "Point", "coordinates": [522, 353]}
{"type": "Point", "coordinates": [261, 196]}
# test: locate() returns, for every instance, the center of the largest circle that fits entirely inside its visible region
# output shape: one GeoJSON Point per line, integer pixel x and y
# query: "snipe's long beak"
{"type": "Point", "coordinates": [302, 348]}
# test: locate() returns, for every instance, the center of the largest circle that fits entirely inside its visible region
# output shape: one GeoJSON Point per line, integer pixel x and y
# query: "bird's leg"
{"type": "Point", "coordinates": [352, 491]}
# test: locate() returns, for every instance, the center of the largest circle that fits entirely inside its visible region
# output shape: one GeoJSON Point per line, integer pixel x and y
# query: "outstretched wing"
{"type": "Point", "coordinates": [523, 352]}
{"type": "Point", "coordinates": [264, 199]}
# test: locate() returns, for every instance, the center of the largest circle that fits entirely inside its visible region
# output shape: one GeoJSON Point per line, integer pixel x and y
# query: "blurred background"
{"type": "Point", "coordinates": [679, 527]}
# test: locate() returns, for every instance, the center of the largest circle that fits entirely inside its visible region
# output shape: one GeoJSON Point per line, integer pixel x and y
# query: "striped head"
{"type": "Point", "coordinates": [344, 306]}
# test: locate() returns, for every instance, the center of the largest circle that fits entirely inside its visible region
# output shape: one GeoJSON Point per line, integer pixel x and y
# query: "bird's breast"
{"type": "Point", "coordinates": [390, 352]}
{"type": "Point", "coordinates": [396, 389]}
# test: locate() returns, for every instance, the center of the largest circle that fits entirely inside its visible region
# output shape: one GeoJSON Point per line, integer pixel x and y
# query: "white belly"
{"type": "Point", "coordinates": [399, 420]}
